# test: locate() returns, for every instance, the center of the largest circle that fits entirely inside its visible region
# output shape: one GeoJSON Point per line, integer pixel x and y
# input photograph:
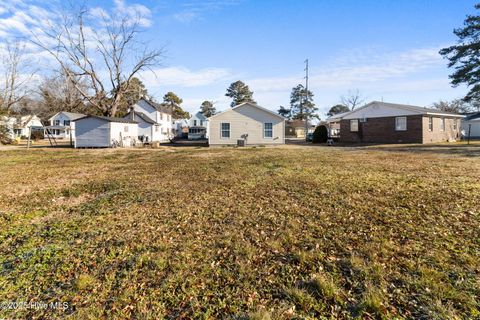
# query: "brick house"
{"type": "Point", "coordinates": [381, 122]}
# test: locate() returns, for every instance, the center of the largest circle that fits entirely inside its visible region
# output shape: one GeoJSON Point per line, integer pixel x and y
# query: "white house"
{"type": "Point", "coordinates": [248, 124]}
{"type": "Point", "coordinates": [471, 126]}
{"type": "Point", "coordinates": [62, 125]}
{"type": "Point", "coordinates": [21, 126]}
{"type": "Point", "coordinates": [148, 129]}
{"type": "Point", "coordinates": [180, 128]}
{"type": "Point", "coordinates": [198, 127]}
{"type": "Point", "coordinates": [103, 132]}
{"type": "Point", "coordinates": [161, 114]}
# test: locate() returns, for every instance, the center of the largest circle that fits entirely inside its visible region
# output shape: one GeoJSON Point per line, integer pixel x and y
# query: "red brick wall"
{"type": "Point", "coordinates": [382, 130]}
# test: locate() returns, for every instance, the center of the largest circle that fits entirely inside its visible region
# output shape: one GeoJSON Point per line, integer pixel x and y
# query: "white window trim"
{"type": "Point", "coordinates": [443, 124]}
{"type": "Point", "coordinates": [265, 137]}
{"type": "Point", "coordinates": [125, 128]}
{"type": "Point", "coordinates": [350, 124]}
{"type": "Point", "coordinates": [396, 124]}
{"type": "Point", "coordinates": [229, 131]}
{"type": "Point", "coordinates": [430, 124]}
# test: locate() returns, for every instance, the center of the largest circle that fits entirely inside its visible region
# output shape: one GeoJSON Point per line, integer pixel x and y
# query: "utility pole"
{"type": "Point", "coordinates": [306, 99]}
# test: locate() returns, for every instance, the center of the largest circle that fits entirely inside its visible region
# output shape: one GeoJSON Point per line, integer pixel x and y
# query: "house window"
{"type": "Point", "coordinates": [194, 123]}
{"type": "Point", "coordinates": [161, 116]}
{"type": "Point", "coordinates": [157, 128]}
{"type": "Point", "coordinates": [125, 129]}
{"type": "Point", "coordinates": [56, 123]}
{"type": "Point", "coordinates": [401, 123]}
{"type": "Point", "coordinates": [430, 123]}
{"type": "Point", "coordinates": [66, 123]}
{"type": "Point", "coordinates": [268, 130]}
{"type": "Point", "coordinates": [354, 125]}
{"type": "Point", "coordinates": [225, 130]}
{"type": "Point", "coordinates": [442, 124]}
{"type": "Point", "coordinates": [201, 123]}
{"type": "Point", "coordinates": [455, 124]}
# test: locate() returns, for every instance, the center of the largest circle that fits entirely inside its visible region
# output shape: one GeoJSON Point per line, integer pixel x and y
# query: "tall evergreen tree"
{"type": "Point", "coordinates": [173, 101]}
{"type": "Point", "coordinates": [240, 93]}
{"type": "Point", "coordinates": [207, 108]}
{"type": "Point", "coordinates": [301, 103]}
{"type": "Point", "coordinates": [465, 57]}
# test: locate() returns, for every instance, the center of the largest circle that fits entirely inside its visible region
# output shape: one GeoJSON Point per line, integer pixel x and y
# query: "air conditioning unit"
{"type": "Point", "coordinates": [241, 143]}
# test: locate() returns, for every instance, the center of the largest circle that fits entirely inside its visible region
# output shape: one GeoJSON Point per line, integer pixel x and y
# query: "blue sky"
{"type": "Point", "coordinates": [386, 49]}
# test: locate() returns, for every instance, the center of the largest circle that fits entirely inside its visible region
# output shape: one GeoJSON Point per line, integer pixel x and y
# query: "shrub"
{"type": "Point", "coordinates": [5, 135]}
{"type": "Point", "coordinates": [320, 135]}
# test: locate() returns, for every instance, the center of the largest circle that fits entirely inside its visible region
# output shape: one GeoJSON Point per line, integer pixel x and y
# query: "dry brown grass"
{"type": "Point", "coordinates": [296, 232]}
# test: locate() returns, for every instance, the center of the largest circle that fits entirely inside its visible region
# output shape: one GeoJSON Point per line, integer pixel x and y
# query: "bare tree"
{"type": "Point", "coordinates": [59, 93]}
{"type": "Point", "coordinates": [455, 106]}
{"type": "Point", "coordinates": [352, 99]}
{"type": "Point", "coordinates": [107, 57]}
{"type": "Point", "coordinates": [17, 73]}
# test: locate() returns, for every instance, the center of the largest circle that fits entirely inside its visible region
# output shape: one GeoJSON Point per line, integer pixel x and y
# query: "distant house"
{"type": "Point", "coordinates": [296, 128]}
{"type": "Point", "coordinates": [198, 127]}
{"type": "Point", "coordinates": [381, 122]}
{"type": "Point", "coordinates": [148, 129]}
{"type": "Point", "coordinates": [21, 126]}
{"type": "Point", "coordinates": [248, 124]}
{"type": "Point", "coordinates": [333, 124]}
{"type": "Point", "coordinates": [180, 128]}
{"type": "Point", "coordinates": [160, 114]}
{"type": "Point", "coordinates": [62, 125]}
{"type": "Point", "coordinates": [103, 132]}
{"type": "Point", "coordinates": [471, 126]}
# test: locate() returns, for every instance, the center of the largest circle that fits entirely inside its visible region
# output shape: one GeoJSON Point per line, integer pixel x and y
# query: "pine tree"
{"type": "Point", "coordinates": [464, 57]}
{"type": "Point", "coordinates": [207, 109]}
{"type": "Point", "coordinates": [173, 101]}
{"type": "Point", "coordinates": [301, 103]}
{"type": "Point", "coordinates": [240, 93]}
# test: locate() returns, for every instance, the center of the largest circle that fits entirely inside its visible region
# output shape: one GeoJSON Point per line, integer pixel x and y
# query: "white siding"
{"type": "Point", "coordinates": [125, 133]}
{"type": "Point", "coordinates": [66, 133]}
{"type": "Point", "coordinates": [246, 119]}
{"type": "Point", "coordinates": [163, 119]}
{"type": "Point", "coordinates": [474, 128]}
{"type": "Point", "coordinates": [92, 132]}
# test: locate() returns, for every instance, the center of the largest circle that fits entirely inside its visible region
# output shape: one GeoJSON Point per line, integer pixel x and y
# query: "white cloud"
{"type": "Point", "coordinates": [195, 10]}
{"type": "Point", "coordinates": [184, 77]}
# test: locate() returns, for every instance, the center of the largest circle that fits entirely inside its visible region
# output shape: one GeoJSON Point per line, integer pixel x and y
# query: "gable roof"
{"type": "Point", "coordinates": [249, 104]}
{"type": "Point", "coordinates": [71, 115]}
{"type": "Point", "coordinates": [200, 116]}
{"type": "Point", "coordinates": [158, 106]}
{"type": "Point", "coordinates": [109, 119]}
{"type": "Point", "coordinates": [337, 116]}
{"type": "Point", "coordinates": [132, 114]}
{"type": "Point", "coordinates": [406, 107]}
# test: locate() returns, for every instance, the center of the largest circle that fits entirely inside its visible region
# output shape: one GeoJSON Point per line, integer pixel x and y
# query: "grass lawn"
{"type": "Point", "coordinates": [254, 233]}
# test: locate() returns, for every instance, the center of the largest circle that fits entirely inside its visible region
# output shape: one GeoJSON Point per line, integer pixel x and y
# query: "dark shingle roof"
{"type": "Point", "coordinates": [109, 119]}
{"type": "Point", "coordinates": [132, 114]}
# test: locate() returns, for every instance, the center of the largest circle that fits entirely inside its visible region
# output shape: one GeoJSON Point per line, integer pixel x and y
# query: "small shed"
{"type": "Point", "coordinates": [103, 132]}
